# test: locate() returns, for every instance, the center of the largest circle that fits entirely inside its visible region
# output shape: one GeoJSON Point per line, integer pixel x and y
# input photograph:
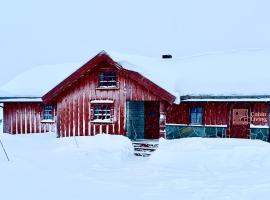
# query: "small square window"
{"type": "Point", "coordinates": [102, 113]}
{"type": "Point", "coordinates": [48, 112]}
{"type": "Point", "coordinates": [108, 79]}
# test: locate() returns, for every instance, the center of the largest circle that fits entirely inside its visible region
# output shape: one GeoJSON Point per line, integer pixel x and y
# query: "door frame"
{"type": "Point", "coordinates": [241, 122]}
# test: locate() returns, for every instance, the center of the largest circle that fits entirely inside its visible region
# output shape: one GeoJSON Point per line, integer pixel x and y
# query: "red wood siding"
{"type": "Point", "coordinates": [215, 113]}
{"type": "Point", "coordinates": [220, 113]}
{"type": "Point", "coordinates": [178, 114]}
{"type": "Point", "coordinates": [74, 109]}
{"type": "Point", "coordinates": [24, 118]}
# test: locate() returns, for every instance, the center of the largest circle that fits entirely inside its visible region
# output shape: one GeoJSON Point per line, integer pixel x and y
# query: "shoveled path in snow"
{"type": "Point", "coordinates": [43, 167]}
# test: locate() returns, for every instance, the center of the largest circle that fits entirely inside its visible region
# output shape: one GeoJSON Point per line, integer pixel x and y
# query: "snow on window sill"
{"type": "Point", "coordinates": [47, 121]}
{"type": "Point", "coordinates": [199, 125]}
{"type": "Point", "coordinates": [106, 101]}
{"type": "Point", "coordinates": [108, 121]}
{"type": "Point", "coordinates": [173, 124]}
{"type": "Point", "coordinates": [258, 126]}
{"type": "Point", "coordinates": [217, 125]}
{"type": "Point", "coordinates": [195, 125]}
{"type": "Point", "coordinates": [107, 88]}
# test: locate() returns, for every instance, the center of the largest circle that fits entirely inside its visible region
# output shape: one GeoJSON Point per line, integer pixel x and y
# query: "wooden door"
{"type": "Point", "coordinates": [135, 120]}
{"type": "Point", "coordinates": [151, 114]}
{"type": "Point", "coordinates": [240, 120]}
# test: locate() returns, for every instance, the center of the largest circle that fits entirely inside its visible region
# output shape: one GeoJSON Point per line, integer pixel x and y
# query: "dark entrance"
{"type": "Point", "coordinates": [240, 121]}
{"type": "Point", "coordinates": [142, 119]}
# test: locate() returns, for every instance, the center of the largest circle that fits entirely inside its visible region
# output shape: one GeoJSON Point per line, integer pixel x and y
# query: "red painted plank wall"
{"type": "Point", "coordinates": [215, 113]}
{"type": "Point", "coordinates": [178, 114]}
{"type": "Point", "coordinates": [22, 118]}
{"type": "Point", "coordinates": [74, 104]}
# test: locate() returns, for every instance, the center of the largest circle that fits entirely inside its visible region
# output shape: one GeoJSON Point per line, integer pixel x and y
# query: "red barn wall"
{"type": "Point", "coordinates": [23, 118]}
{"type": "Point", "coordinates": [74, 104]}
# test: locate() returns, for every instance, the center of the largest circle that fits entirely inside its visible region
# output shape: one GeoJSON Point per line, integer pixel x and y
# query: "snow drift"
{"type": "Point", "coordinates": [99, 148]}
{"type": "Point", "coordinates": [103, 167]}
{"type": "Point", "coordinates": [213, 154]}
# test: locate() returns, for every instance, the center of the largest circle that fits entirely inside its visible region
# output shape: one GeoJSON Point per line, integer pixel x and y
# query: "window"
{"type": "Point", "coordinates": [107, 79]}
{"type": "Point", "coordinates": [48, 112]}
{"type": "Point", "coordinates": [102, 113]}
{"type": "Point", "coordinates": [196, 115]}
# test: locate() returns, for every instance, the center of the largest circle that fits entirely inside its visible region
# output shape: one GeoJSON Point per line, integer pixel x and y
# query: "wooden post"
{"type": "Point", "coordinates": [162, 120]}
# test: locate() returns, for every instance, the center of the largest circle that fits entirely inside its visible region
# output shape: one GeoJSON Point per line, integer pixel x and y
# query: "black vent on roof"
{"type": "Point", "coordinates": [167, 56]}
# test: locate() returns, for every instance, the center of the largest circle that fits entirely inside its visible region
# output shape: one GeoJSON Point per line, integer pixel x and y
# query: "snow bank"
{"type": "Point", "coordinates": [103, 167]}
{"type": "Point", "coordinates": [99, 148]}
{"type": "Point", "coordinates": [44, 167]}
{"type": "Point", "coordinates": [213, 154]}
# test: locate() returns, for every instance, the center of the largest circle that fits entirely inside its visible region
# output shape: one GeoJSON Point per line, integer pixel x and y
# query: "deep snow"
{"type": "Point", "coordinates": [103, 167]}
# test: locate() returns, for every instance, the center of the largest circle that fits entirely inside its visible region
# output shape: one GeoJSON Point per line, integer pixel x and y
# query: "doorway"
{"type": "Point", "coordinates": [239, 121]}
{"type": "Point", "coordinates": [142, 119]}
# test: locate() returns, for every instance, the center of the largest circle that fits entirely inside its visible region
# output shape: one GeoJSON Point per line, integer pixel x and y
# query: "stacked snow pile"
{"type": "Point", "coordinates": [100, 148]}
{"type": "Point", "coordinates": [213, 154]}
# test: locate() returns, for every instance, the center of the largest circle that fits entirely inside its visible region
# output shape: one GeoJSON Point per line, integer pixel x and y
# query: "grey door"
{"type": "Point", "coordinates": [135, 120]}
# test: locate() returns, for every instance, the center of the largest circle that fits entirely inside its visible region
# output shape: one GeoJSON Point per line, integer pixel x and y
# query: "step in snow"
{"type": "Point", "coordinates": [144, 147]}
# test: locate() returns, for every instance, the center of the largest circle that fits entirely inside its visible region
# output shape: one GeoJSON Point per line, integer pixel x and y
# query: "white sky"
{"type": "Point", "coordinates": [61, 31]}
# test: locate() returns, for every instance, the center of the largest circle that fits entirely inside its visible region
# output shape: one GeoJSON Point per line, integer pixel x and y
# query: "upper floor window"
{"type": "Point", "coordinates": [196, 115]}
{"type": "Point", "coordinates": [108, 79]}
{"type": "Point", "coordinates": [48, 112]}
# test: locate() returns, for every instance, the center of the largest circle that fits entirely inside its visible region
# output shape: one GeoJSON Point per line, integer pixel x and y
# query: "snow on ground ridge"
{"type": "Point", "coordinates": [103, 167]}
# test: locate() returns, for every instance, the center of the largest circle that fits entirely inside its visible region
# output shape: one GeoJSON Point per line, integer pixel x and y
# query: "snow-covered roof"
{"type": "Point", "coordinates": [223, 74]}
{"type": "Point", "coordinates": [20, 99]}
{"type": "Point", "coordinates": [227, 100]}
{"type": "Point", "coordinates": [37, 81]}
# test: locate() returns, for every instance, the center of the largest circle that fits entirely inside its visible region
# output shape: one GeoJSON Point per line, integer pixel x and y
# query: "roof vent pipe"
{"type": "Point", "coordinates": [166, 56]}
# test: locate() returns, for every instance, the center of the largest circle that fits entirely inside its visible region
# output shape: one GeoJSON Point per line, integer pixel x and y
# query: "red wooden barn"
{"type": "Point", "coordinates": [99, 97]}
{"type": "Point", "coordinates": [144, 98]}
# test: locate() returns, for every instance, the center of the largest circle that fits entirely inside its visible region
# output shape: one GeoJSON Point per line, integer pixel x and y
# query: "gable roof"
{"type": "Point", "coordinates": [91, 64]}
{"type": "Point", "coordinates": [244, 73]}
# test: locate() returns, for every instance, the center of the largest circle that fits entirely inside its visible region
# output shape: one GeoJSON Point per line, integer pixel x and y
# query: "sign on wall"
{"type": "Point", "coordinates": [258, 118]}
{"type": "Point", "coordinates": [242, 117]}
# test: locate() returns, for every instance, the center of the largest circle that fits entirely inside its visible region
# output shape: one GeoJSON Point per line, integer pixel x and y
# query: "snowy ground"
{"type": "Point", "coordinates": [103, 167]}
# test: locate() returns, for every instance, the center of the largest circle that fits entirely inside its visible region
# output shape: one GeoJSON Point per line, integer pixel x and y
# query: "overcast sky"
{"type": "Point", "coordinates": [61, 31]}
